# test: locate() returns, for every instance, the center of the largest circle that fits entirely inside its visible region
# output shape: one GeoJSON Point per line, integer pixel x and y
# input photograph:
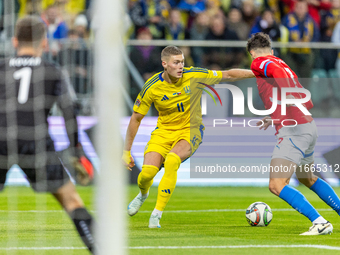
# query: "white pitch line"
{"type": "Point", "coordinates": [41, 248]}
{"type": "Point", "coordinates": [32, 211]}
{"type": "Point", "coordinates": [228, 210]}
{"type": "Point", "coordinates": [170, 211]}
{"type": "Point", "coordinates": [325, 247]}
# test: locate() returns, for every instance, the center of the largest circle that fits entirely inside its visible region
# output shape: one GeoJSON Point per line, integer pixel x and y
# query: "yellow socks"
{"type": "Point", "coordinates": [168, 182]}
{"type": "Point", "coordinates": [145, 178]}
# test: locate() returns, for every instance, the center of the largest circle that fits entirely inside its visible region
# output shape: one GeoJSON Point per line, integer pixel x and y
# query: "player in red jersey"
{"type": "Point", "coordinates": [295, 140]}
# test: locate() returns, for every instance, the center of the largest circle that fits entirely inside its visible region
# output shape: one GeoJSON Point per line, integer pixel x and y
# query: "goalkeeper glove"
{"type": "Point", "coordinates": [82, 166]}
{"type": "Point", "coordinates": [128, 160]}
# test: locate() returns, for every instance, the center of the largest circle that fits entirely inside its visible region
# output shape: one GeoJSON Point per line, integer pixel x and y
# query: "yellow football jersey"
{"type": "Point", "coordinates": [179, 104]}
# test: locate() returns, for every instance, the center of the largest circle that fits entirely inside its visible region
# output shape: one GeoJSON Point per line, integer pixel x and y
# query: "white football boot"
{"type": "Point", "coordinates": [319, 229]}
{"type": "Point", "coordinates": [154, 221]}
{"type": "Point", "coordinates": [135, 204]}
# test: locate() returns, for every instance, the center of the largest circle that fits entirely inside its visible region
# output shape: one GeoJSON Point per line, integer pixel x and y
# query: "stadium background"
{"type": "Point", "coordinates": [212, 34]}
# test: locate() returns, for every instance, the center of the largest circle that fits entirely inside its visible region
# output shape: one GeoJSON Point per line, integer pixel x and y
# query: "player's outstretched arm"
{"type": "Point", "coordinates": [84, 170]}
{"type": "Point", "coordinates": [67, 103]}
{"type": "Point", "coordinates": [237, 74]}
{"type": "Point", "coordinates": [131, 132]}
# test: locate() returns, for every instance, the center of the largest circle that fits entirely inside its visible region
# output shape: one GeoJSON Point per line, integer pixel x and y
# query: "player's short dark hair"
{"type": "Point", "coordinates": [170, 51]}
{"type": "Point", "coordinates": [259, 41]}
{"type": "Point", "coordinates": [30, 31]}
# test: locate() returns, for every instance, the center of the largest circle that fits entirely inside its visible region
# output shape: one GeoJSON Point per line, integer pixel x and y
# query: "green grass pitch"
{"type": "Point", "coordinates": [227, 228]}
{"type": "Point", "coordinates": [31, 219]}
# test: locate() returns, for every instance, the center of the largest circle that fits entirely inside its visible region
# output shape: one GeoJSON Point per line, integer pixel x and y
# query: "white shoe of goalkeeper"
{"type": "Point", "coordinates": [319, 229]}
{"type": "Point", "coordinates": [154, 221]}
{"type": "Point", "coordinates": [135, 204]}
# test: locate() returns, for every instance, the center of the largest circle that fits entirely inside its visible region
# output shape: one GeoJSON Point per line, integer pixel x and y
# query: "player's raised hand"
{"type": "Point", "coordinates": [128, 160]}
{"type": "Point", "coordinates": [265, 122]}
{"type": "Point", "coordinates": [83, 166]}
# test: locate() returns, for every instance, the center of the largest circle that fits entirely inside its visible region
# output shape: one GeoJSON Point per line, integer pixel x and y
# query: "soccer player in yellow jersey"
{"type": "Point", "coordinates": [179, 128]}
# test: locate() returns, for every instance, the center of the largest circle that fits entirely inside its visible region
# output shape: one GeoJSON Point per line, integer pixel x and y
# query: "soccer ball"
{"type": "Point", "coordinates": [259, 214]}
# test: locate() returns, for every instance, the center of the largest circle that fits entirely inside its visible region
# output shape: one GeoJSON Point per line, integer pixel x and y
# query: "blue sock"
{"type": "Point", "coordinates": [327, 194]}
{"type": "Point", "coordinates": [299, 202]}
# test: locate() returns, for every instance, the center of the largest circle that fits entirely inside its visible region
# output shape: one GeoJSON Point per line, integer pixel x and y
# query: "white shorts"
{"type": "Point", "coordinates": [297, 143]}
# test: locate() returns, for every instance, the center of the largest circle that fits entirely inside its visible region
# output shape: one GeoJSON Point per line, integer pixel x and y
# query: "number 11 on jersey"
{"type": "Point", "coordinates": [180, 107]}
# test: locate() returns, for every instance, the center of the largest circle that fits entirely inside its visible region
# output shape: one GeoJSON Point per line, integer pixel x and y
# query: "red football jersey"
{"type": "Point", "coordinates": [271, 72]}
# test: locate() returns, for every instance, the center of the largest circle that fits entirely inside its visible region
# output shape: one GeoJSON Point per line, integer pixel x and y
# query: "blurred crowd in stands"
{"type": "Point", "coordinates": [283, 20]}
{"type": "Point", "coordinates": [63, 18]}
{"type": "Point", "coordinates": [236, 20]}
{"type": "Point", "coordinates": [68, 31]}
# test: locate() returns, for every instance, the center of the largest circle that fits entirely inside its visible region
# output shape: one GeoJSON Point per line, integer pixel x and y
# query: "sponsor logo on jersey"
{"type": "Point", "coordinates": [164, 98]}
{"type": "Point", "coordinates": [137, 103]}
{"type": "Point", "coordinates": [177, 94]}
